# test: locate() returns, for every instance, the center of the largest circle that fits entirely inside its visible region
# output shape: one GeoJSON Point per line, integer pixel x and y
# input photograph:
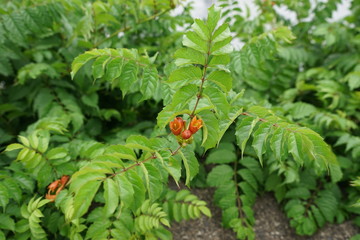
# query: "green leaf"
{"type": "Point", "coordinates": [213, 18]}
{"type": "Point", "coordinates": [295, 147]}
{"type": "Point", "coordinates": [247, 176]}
{"type": "Point", "coordinates": [149, 82]}
{"type": "Point", "coordinates": [222, 47]}
{"type": "Point", "coordinates": [188, 56]}
{"type": "Point", "coordinates": [222, 79]}
{"type": "Point", "coordinates": [194, 41]}
{"type": "Point", "coordinates": [210, 129]}
{"type": "Point", "coordinates": [277, 142]}
{"type": "Point", "coordinates": [98, 67]}
{"type": "Point", "coordinates": [201, 29]}
{"type": "Point", "coordinates": [56, 153]}
{"type": "Point", "coordinates": [84, 197]}
{"type": "Point", "coordinates": [4, 195]}
{"type": "Point", "coordinates": [190, 163]}
{"type": "Point", "coordinates": [138, 187]}
{"type": "Point", "coordinates": [92, 100]}
{"type": "Point", "coordinates": [155, 184]}
{"type": "Point", "coordinates": [111, 196]}
{"type": "Point", "coordinates": [219, 61]}
{"type": "Point", "coordinates": [327, 204]}
{"type": "Point", "coordinates": [335, 172]}
{"type": "Point", "coordinates": [219, 175]}
{"type": "Point", "coordinates": [113, 69]}
{"type": "Point", "coordinates": [6, 222]}
{"type": "Point", "coordinates": [180, 100]}
{"type": "Point", "coordinates": [13, 189]}
{"type": "Point", "coordinates": [244, 130]}
{"type": "Point", "coordinates": [221, 156]}
{"type": "Point", "coordinates": [121, 152]}
{"type": "Point", "coordinates": [13, 146]}
{"type": "Point", "coordinates": [185, 75]}
{"type": "Point", "coordinates": [81, 60]}
{"type": "Point", "coordinates": [260, 136]}
{"type": "Point", "coordinates": [128, 76]}
{"type": "Point", "coordinates": [138, 141]}
{"type": "Point", "coordinates": [299, 192]}
{"type": "Point", "coordinates": [126, 190]}
{"type": "Point", "coordinates": [221, 33]}
{"type": "Point", "coordinates": [224, 125]}
{"type": "Point", "coordinates": [218, 99]}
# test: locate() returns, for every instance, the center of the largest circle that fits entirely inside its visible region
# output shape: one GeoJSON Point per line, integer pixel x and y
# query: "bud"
{"type": "Point", "coordinates": [177, 125]}
{"type": "Point", "coordinates": [186, 134]}
{"type": "Point", "coordinates": [195, 124]}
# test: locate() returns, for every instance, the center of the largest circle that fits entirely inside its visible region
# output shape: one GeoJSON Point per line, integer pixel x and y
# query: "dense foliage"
{"type": "Point", "coordinates": [89, 88]}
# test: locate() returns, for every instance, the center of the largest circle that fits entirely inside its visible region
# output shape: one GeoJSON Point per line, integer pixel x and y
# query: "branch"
{"type": "Point", "coordinates": [153, 156]}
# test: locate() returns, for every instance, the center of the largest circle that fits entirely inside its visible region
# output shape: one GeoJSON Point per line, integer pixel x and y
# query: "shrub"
{"type": "Point", "coordinates": [90, 88]}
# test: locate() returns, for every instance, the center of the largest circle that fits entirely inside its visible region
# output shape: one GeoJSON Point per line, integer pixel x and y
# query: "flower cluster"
{"type": "Point", "coordinates": [55, 187]}
{"type": "Point", "coordinates": [184, 135]}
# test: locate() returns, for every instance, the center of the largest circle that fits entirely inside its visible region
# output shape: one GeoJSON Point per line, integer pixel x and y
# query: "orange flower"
{"type": "Point", "coordinates": [177, 125]}
{"type": "Point", "coordinates": [195, 124]}
{"type": "Point", "coordinates": [55, 187]}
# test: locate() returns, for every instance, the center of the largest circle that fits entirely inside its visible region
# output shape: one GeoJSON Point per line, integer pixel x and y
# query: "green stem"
{"type": "Point", "coordinates": [203, 77]}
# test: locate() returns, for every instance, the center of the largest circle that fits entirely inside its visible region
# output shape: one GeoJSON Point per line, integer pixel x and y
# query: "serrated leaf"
{"type": "Point", "coordinates": [126, 190]}
{"type": "Point", "coordinates": [221, 156]}
{"type": "Point", "coordinates": [13, 189]}
{"type": "Point", "coordinates": [194, 41]}
{"type": "Point", "coordinates": [244, 130]}
{"type": "Point", "coordinates": [219, 101]}
{"type": "Point", "coordinates": [138, 187]}
{"type": "Point", "coordinates": [219, 175]}
{"type": "Point", "coordinates": [98, 67]}
{"type": "Point", "coordinates": [221, 33]}
{"type": "Point", "coordinates": [210, 129]}
{"type": "Point", "coordinates": [277, 142]}
{"type": "Point", "coordinates": [111, 196]}
{"type": "Point", "coordinates": [185, 75]}
{"type": "Point", "coordinates": [190, 163]}
{"type": "Point", "coordinates": [113, 69]}
{"type": "Point", "coordinates": [6, 222]}
{"type": "Point", "coordinates": [222, 79]}
{"type": "Point", "coordinates": [138, 141]}
{"type": "Point", "coordinates": [84, 197]}
{"type": "Point", "coordinates": [201, 29]}
{"type": "Point", "coordinates": [4, 195]}
{"type": "Point", "coordinates": [122, 152]}
{"type": "Point", "coordinates": [247, 176]}
{"type": "Point", "coordinates": [188, 56]}
{"type": "Point", "coordinates": [56, 153]}
{"type": "Point", "coordinates": [128, 76]}
{"type": "Point", "coordinates": [299, 192]}
{"type": "Point", "coordinates": [81, 60]}
{"type": "Point", "coordinates": [149, 82]}
{"type": "Point", "coordinates": [13, 146]}
{"type": "Point", "coordinates": [180, 100]}
{"type": "Point", "coordinates": [259, 139]}
{"type": "Point", "coordinates": [155, 184]}
{"type": "Point", "coordinates": [213, 18]}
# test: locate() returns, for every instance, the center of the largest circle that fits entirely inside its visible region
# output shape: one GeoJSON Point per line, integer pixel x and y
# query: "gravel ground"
{"type": "Point", "coordinates": [271, 224]}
